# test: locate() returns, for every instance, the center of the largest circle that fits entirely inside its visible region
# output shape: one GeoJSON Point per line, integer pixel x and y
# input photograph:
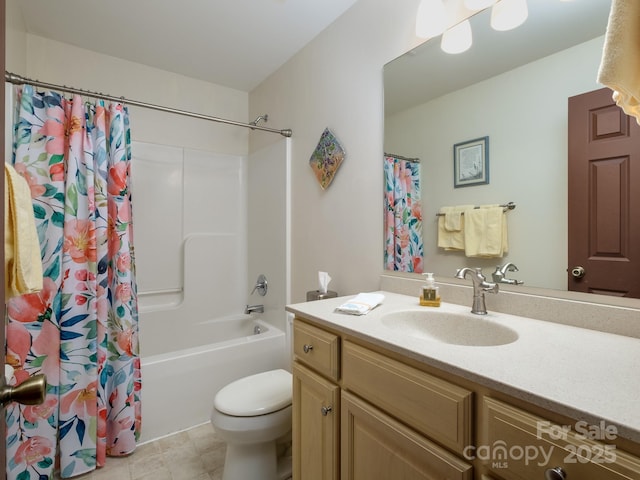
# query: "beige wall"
{"type": "Point", "coordinates": [336, 82]}
{"type": "Point", "coordinates": [16, 39]}
{"type": "Point", "coordinates": [47, 60]}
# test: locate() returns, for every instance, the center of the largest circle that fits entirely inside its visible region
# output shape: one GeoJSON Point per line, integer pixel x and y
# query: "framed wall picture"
{"type": "Point", "coordinates": [471, 163]}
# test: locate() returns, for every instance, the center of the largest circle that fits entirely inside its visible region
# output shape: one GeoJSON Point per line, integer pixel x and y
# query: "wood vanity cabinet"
{"type": "Point", "coordinates": [361, 412]}
{"type": "Point", "coordinates": [316, 403]}
{"type": "Point", "coordinates": [359, 415]}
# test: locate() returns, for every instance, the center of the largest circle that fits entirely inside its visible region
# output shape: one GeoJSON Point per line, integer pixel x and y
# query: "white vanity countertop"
{"type": "Point", "coordinates": [584, 374]}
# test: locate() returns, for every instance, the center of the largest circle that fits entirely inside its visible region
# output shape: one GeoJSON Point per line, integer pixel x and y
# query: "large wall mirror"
{"type": "Point", "coordinates": [512, 87]}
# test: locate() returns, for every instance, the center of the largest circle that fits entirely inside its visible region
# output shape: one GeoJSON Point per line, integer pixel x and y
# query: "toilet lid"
{"type": "Point", "coordinates": [254, 395]}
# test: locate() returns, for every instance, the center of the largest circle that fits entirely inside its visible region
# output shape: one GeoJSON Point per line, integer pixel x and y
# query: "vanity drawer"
{"type": "Point", "coordinates": [317, 349]}
{"type": "Point", "coordinates": [520, 446]}
{"type": "Point", "coordinates": [430, 405]}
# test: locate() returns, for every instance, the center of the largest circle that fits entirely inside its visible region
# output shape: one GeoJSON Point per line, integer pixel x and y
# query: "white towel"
{"type": "Point", "coordinates": [485, 232]}
{"type": "Point", "coordinates": [361, 304]}
{"type": "Point", "coordinates": [620, 64]}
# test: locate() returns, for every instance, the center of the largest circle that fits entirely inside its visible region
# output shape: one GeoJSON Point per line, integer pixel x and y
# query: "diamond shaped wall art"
{"type": "Point", "coordinates": [326, 158]}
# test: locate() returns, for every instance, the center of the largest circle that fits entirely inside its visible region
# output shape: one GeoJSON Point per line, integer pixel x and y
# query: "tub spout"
{"type": "Point", "coordinates": [254, 309]}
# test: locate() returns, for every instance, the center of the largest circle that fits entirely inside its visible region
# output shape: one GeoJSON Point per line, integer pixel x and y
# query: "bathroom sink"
{"type": "Point", "coordinates": [450, 327]}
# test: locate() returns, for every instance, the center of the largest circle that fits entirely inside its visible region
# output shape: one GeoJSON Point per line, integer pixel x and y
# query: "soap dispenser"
{"type": "Point", "coordinates": [430, 296]}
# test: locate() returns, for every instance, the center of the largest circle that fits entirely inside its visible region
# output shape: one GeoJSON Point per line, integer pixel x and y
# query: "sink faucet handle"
{"type": "Point", "coordinates": [490, 287]}
{"type": "Point", "coordinates": [500, 275]}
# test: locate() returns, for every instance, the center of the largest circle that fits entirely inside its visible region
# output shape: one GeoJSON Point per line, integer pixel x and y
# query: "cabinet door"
{"type": "Point", "coordinates": [316, 417]}
{"type": "Point", "coordinates": [375, 446]}
{"type": "Point", "coordinates": [518, 445]}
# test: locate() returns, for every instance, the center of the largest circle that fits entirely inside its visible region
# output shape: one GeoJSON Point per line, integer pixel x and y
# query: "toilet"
{"type": "Point", "coordinates": [251, 414]}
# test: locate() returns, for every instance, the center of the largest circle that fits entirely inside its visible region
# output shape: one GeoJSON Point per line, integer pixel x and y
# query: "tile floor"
{"type": "Point", "coordinates": [195, 454]}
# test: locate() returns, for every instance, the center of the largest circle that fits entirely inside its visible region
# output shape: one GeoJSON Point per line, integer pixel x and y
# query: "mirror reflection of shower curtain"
{"type": "Point", "coordinates": [404, 247]}
{"type": "Point", "coordinates": [81, 330]}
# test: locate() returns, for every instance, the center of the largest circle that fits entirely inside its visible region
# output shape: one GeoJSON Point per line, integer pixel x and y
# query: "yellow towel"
{"type": "Point", "coordinates": [451, 227]}
{"type": "Point", "coordinates": [22, 261]}
{"type": "Point", "coordinates": [485, 232]}
{"type": "Point", "coordinates": [620, 64]}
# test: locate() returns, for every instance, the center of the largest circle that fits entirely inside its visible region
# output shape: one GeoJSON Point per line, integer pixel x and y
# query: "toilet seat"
{"type": "Point", "coordinates": [258, 394]}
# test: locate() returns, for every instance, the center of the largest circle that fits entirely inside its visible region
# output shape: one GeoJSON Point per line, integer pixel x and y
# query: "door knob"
{"type": "Point", "coordinates": [30, 392]}
{"type": "Point", "coordinates": [556, 473]}
{"type": "Point", "coordinates": [578, 272]}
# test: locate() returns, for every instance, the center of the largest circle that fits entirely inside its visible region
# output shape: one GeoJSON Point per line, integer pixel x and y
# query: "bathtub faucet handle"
{"type": "Point", "coordinates": [260, 286]}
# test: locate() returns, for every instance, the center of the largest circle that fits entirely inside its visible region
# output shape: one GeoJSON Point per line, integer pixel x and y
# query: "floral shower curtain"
{"type": "Point", "coordinates": [81, 330]}
{"type": "Point", "coordinates": [403, 216]}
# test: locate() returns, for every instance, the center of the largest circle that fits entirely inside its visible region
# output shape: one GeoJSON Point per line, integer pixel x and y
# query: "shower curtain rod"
{"type": "Point", "coordinates": [400, 157]}
{"type": "Point", "coordinates": [20, 80]}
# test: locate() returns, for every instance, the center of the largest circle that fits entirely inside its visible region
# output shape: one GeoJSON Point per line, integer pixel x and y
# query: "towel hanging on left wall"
{"type": "Point", "coordinates": [22, 261]}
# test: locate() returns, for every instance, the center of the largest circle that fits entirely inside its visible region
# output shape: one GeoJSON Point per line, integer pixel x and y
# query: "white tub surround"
{"type": "Point", "coordinates": [580, 373]}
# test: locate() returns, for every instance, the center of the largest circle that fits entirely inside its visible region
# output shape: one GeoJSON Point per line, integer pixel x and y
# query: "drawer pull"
{"type": "Point", "coordinates": [326, 410]}
{"type": "Point", "coordinates": [307, 348]}
{"type": "Point", "coordinates": [556, 473]}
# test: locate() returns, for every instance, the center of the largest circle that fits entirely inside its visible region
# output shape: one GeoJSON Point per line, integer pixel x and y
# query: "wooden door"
{"type": "Point", "coordinates": [316, 425]}
{"type": "Point", "coordinates": [604, 197]}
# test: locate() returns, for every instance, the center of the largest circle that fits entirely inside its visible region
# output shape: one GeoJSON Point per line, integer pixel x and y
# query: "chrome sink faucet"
{"type": "Point", "coordinates": [500, 275]}
{"type": "Point", "coordinates": [480, 286]}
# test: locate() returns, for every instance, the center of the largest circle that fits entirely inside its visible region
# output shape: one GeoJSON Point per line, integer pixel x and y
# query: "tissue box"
{"type": "Point", "coordinates": [316, 295]}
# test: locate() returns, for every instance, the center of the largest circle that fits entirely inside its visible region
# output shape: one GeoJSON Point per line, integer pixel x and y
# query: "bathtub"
{"type": "Point", "coordinates": [178, 387]}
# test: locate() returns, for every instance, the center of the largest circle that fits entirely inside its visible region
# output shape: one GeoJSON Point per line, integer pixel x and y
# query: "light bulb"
{"type": "Point", "coordinates": [431, 19]}
{"type": "Point", "coordinates": [457, 39]}
{"type": "Point", "coordinates": [478, 4]}
{"type": "Point", "coordinates": [508, 14]}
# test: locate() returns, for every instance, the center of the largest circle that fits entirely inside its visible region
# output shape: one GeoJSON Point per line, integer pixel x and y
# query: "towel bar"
{"type": "Point", "coordinates": [506, 206]}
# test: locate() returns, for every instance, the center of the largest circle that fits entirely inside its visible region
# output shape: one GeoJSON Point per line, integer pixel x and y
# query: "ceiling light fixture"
{"type": "Point", "coordinates": [508, 14]}
{"type": "Point", "coordinates": [457, 39]}
{"type": "Point", "coordinates": [431, 19]}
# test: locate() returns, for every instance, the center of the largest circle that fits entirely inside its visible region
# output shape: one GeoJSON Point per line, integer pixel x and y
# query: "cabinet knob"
{"type": "Point", "coordinates": [326, 410]}
{"type": "Point", "coordinates": [556, 473]}
{"type": "Point", "coordinates": [307, 348]}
